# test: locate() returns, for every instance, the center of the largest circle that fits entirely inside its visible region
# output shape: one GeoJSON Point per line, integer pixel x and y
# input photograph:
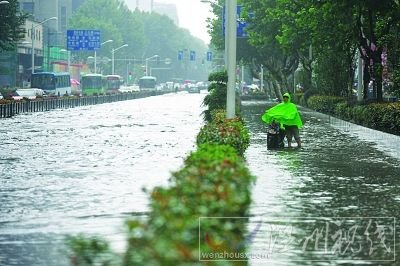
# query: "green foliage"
{"type": "Point", "coordinates": [213, 182]}
{"type": "Point", "coordinates": [334, 72]}
{"type": "Point", "coordinates": [298, 98]}
{"type": "Point", "coordinates": [394, 87]}
{"type": "Point", "coordinates": [216, 97]}
{"type": "Point", "coordinates": [282, 33]}
{"type": "Point", "coordinates": [324, 104]}
{"type": "Point", "coordinates": [343, 110]}
{"type": "Point", "coordinates": [224, 131]}
{"type": "Point", "coordinates": [379, 116]}
{"type": "Point", "coordinates": [146, 34]}
{"type": "Point", "coordinates": [90, 251]}
{"type": "Point", "coordinates": [11, 21]}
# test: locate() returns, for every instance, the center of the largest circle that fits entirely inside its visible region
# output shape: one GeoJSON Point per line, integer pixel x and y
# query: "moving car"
{"type": "Point", "coordinates": [31, 94]}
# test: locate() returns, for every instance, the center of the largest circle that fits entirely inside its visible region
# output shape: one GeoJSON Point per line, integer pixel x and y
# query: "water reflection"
{"type": "Point", "coordinates": [336, 174]}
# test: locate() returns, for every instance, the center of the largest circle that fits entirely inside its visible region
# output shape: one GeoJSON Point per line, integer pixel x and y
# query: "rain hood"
{"type": "Point", "coordinates": [284, 113]}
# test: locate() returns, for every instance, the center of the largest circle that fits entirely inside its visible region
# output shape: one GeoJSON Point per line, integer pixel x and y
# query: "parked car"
{"type": "Point", "coordinates": [194, 89]}
{"type": "Point", "coordinates": [14, 96]}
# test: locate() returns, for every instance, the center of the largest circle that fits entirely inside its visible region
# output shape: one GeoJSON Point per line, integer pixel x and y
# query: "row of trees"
{"type": "Point", "coordinates": [325, 38]}
{"type": "Point", "coordinates": [146, 34]}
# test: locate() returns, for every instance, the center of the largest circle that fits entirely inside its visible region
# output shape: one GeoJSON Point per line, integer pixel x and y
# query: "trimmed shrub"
{"type": "Point", "coordinates": [213, 183]}
{"type": "Point", "coordinates": [216, 97]}
{"type": "Point", "coordinates": [380, 116]}
{"type": "Point", "coordinates": [90, 251]}
{"type": "Point", "coordinates": [224, 131]}
{"type": "Point", "coordinates": [324, 104]}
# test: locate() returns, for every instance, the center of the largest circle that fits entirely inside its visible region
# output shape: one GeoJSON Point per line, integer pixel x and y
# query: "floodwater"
{"type": "Point", "coordinates": [335, 201]}
{"type": "Point", "coordinates": [83, 170]}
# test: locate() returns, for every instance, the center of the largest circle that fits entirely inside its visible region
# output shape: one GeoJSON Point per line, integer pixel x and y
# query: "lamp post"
{"type": "Point", "coordinates": [95, 55]}
{"type": "Point", "coordinates": [231, 56]}
{"type": "Point", "coordinates": [33, 42]}
{"type": "Point", "coordinates": [4, 2]}
{"type": "Point", "coordinates": [69, 59]}
{"type": "Point", "coordinates": [112, 56]}
{"type": "Point", "coordinates": [224, 33]}
{"type": "Point", "coordinates": [230, 53]}
{"type": "Point", "coordinates": [147, 63]}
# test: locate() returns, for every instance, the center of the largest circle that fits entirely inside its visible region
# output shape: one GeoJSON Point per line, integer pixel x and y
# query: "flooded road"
{"type": "Point", "coordinates": [320, 205]}
{"type": "Point", "coordinates": [83, 170]}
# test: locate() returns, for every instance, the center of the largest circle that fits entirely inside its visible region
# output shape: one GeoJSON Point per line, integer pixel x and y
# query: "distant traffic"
{"type": "Point", "coordinates": [58, 84]}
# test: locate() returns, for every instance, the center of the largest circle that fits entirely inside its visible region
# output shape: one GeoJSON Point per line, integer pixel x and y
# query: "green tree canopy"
{"type": "Point", "coordinates": [11, 20]}
{"type": "Point", "coordinates": [146, 34]}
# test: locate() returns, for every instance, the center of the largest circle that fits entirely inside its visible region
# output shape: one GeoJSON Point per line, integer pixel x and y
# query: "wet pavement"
{"type": "Point", "coordinates": [318, 205]}
{"type": "Point", "coordinates": [82, 170]}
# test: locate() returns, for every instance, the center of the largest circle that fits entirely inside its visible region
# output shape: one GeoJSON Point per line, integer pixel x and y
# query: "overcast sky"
{"type": "Point", "coordinates": [192, 16]}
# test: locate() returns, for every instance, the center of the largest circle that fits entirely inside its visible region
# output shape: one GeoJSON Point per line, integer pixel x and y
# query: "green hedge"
{"type": "Point", "coordinates": [380, 116]}
{"type": "Point", "coordinates": [324, 104]}
{"type": "Point", "coordinates": [214, 182]}
{"type": "Point", "coordinates": [225, 132]}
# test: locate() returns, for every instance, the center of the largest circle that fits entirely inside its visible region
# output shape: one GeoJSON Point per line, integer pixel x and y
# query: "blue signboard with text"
{"type": "Point", "coordinates": [78, 40]}
{"type": "Point", "coordinates": [241, 22]}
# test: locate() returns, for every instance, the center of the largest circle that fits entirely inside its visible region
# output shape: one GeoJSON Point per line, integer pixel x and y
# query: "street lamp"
{"type": "Point", "coordinates": [230, 53]}
{"type": "Point", "coordinates": [69, 59]}
{"type": "Point", "coordinates": [112, 55]}
{"type": "Point", "coordinates": [95, 55]}
{"type": "Point", "coordinates": [231, 56]}
{"type": "Point", "coordinates": [147, 63]}
{"type": "Point", "coordinates": [4, 2]}
{"type": "Point", "coordinates": [33, 43]}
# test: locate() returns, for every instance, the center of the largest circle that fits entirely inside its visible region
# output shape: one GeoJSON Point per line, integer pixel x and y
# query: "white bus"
{"type": "Point", "coordinates": [52, 83]}
{"type": "Point", "coordinates": [147, 83]}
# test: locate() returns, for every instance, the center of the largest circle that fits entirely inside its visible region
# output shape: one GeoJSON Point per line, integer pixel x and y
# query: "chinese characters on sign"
{"type": "Point", "coordinates": [83, 40]}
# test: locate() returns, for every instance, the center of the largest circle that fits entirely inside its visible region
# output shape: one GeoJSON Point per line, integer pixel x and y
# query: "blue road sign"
{"type": "Point", "coordinates": [209, 56]}
{"type": "Point", "coordinates": [78, 40]}
{"type": "Point", "coordinates": [192, 55]}
{"type": "Point", "coordinates": [241, 23]}
{"type": "Point", "coordinates": [180, 55]}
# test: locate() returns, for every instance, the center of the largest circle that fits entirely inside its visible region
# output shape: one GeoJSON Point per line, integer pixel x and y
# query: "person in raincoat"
{"type": "Point", "coordinates": [288, 116]}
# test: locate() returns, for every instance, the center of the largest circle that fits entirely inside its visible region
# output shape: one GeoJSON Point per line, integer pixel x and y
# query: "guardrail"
{"type": "Point", "coordinates": [46, 104]}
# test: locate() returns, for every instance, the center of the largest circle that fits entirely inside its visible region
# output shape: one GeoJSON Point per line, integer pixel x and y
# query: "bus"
{"type": "Point", "coordinates": [52, 83]}
{"type": "Point", "coordinates": [112, 83]}
{"type": "Point", "coordinates": [92, 84]}
{"type": "Point", "coordinates": [147, 83]}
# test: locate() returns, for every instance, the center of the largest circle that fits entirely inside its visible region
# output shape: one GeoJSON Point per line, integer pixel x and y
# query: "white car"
{"type": "Point", "coordinates": [29, 93]}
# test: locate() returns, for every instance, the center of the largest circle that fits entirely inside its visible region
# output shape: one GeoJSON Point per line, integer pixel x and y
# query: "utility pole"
{"type": "Point", "coordinates": [231, 53]}
{"type": "Point", "coordinates": [262, 78]}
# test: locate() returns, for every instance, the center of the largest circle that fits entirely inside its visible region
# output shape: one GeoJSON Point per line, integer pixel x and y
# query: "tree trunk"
{"type": "Point", "coordinates": [366, 79]}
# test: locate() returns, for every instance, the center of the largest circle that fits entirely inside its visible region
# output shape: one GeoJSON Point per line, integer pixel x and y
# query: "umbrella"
{"type": "Point", "coordinates": [75, 82]}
